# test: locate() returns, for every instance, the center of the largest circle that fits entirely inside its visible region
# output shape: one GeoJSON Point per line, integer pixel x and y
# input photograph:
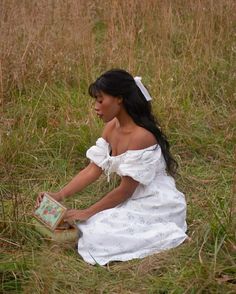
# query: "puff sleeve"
{"type": "Point", "coordinates": [99, 153]}
{"type": "Point", "coordinates": [142, 165]}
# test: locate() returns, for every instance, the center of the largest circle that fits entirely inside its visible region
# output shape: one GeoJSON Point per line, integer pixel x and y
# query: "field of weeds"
{"type": "Point", "coordinates": [50, 51]}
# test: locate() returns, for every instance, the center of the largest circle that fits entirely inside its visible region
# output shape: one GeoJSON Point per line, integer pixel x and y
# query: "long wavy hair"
{"type": "Point", "coordinates": [119, 83]}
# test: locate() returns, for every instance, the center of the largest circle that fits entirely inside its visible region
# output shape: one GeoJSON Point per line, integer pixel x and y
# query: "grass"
{"type": "Point", "coordinates": [49, 53]}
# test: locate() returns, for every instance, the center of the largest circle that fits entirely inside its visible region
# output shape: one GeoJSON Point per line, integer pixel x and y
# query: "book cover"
{"type": "Point", "coordinates": [50, 212]}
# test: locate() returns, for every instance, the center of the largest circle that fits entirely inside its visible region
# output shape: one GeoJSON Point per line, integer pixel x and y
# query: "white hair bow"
{"type": "Point", "coordinates": [142, 88]}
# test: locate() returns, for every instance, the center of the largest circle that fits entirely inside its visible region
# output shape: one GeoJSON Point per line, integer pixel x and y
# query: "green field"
{"type": "Point", "coordinates": [50, 51]}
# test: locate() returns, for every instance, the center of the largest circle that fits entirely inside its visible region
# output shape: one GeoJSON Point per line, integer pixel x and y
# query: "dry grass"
{"type": "Point", "coordinates": [49, 52]}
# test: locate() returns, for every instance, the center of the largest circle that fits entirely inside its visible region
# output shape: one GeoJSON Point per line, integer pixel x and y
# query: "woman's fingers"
{"type": "Point", "coordinates": [39, 199]}
{"type": "Point", "coordinates": [74, 215]}
{"type": "Point", "coordinates": [70, 215]}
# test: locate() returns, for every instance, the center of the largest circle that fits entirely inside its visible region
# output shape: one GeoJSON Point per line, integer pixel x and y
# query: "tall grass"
{"type": "Point", "coordinates": [49, 52]}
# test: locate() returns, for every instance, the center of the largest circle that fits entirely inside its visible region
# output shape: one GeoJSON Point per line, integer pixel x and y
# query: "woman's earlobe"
{"type": "Point", "coordinates": [120, 100]}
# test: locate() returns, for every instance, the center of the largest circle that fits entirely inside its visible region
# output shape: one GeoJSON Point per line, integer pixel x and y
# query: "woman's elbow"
{"type": "Point", "coordinates": [127, 192]}
{"type": "Point", "coordinates": [128, 186]}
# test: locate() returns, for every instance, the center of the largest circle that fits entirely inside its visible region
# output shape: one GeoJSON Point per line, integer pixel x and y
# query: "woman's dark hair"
{"type": "Point", "coordinates": [119, 83]}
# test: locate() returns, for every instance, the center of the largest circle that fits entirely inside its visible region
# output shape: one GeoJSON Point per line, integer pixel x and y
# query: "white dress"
{"type": "Point", "coordinates": [150, 221]}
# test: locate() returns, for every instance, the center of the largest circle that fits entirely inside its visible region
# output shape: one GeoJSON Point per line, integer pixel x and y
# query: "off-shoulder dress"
{"type": "Point", "coordinates": [152, 220]}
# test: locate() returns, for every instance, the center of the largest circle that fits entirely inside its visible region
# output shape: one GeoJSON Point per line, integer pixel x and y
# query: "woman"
{"type": "Point", "coordinates": [145, 213]}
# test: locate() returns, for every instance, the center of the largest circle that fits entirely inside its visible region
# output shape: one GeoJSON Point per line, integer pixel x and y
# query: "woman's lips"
{"type": "Point", "coordinates": [99, 115]}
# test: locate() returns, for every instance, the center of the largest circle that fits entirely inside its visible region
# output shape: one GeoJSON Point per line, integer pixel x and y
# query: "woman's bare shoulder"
{"type": "Point", "coordinates": [109, 127]}
{"type": "Point", "coordinates": [141, 139]}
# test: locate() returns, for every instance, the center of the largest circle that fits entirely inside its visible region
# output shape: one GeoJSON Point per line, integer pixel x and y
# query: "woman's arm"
{"type": "Point", "coordinates": [112, 199]}
{"type": "Point", "coordinates": [85, 177]}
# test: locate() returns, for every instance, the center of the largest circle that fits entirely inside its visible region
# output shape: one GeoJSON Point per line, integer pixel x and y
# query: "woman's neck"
{"type": "Point", "coordinates": [125, 122]}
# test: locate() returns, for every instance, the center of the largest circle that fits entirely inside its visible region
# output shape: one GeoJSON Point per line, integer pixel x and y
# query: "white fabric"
{"type": "Point", "coordinates": [142, 88]}
{"type": "Point", "coordinates": [150, 221]}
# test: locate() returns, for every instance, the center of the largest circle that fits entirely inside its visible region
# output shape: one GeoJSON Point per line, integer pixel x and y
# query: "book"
{"type": "Point", "coordinates": [70, 235]}
{"type": "Point", "coordinates": [50, 212]}
{"type": "Point", "coordinates": [48, 221]}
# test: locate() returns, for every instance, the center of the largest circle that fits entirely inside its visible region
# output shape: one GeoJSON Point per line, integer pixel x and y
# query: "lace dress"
{"type": "Point", "coordinates": [150, 221]}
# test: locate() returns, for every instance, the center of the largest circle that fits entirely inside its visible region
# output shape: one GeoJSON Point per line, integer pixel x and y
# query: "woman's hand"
{"type": "Point", "coordinates": [56, 196]}
{"type": "Point", "coordinates": [75, 214]}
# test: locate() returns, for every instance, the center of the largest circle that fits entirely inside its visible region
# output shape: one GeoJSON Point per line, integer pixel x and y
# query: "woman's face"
{"type": "Point", "coordinates": [107, 107]}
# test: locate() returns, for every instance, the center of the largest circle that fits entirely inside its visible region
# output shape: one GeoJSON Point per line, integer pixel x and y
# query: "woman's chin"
{"type": "Point", "coordinates": [106, 120]}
